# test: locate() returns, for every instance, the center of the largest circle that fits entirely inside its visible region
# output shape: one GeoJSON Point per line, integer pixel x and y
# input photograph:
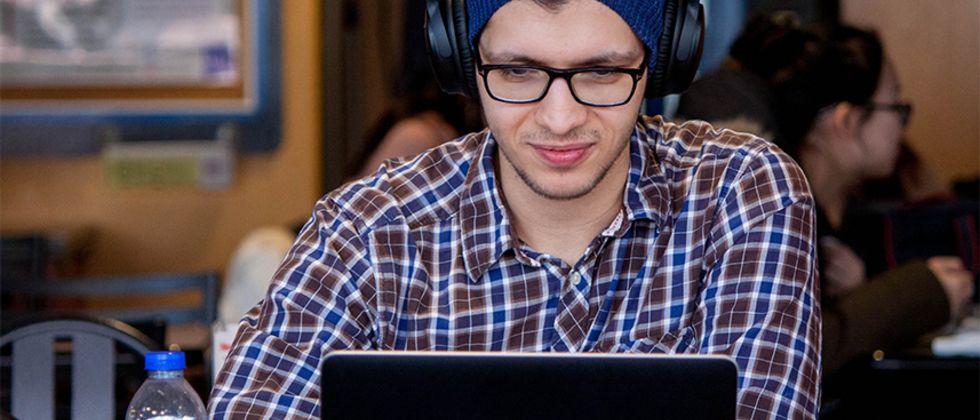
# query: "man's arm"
{"type": "Point", "coordinates": [760, 303]}
{"type": "Point", "coordinates": [317, 303]}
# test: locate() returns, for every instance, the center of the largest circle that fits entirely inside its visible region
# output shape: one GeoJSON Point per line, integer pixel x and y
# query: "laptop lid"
{"type": "Point", "coordinates": [478, 385]}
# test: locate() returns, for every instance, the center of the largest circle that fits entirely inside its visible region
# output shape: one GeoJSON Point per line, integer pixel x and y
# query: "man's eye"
{"type": "Point", "coordinates": [601, 76]}
{"type": "Point", "coordinates": [518, 73]}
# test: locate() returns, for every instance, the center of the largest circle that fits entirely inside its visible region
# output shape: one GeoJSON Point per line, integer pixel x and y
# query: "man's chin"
{"type": "Point", "coordinates": [561, 191]}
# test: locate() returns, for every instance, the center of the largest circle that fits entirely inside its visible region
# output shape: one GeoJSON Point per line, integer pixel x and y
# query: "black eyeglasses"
{"type": "Point", "coordinates": [904, 109]}
{"type": "Point", "coordinates": [592, 86]}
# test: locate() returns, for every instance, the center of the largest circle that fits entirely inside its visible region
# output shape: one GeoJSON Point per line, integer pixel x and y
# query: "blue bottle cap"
{"type": "Point", "coordinates": [164, 360]}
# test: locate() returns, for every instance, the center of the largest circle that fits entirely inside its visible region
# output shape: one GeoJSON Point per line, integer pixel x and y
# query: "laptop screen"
{"type": "Point", "coordinates": [476, 385]}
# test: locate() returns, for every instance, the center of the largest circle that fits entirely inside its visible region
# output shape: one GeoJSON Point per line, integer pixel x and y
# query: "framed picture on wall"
{"type": "Point", "coordinates": [76, 74]}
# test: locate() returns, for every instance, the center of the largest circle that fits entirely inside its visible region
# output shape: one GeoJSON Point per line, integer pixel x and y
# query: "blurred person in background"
{"type": "Point", "coordinates": [832, 100]}
{"type": "Point", "coordinates": [421, 115]}
{"type": "Point", "coordinates": [914, 181]}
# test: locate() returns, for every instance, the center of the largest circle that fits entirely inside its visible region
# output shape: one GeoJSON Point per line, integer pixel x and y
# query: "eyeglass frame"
{"type": "Point", "coordinates": [904, 109]}
{"type": "Point", "coordinates": [635, 73]}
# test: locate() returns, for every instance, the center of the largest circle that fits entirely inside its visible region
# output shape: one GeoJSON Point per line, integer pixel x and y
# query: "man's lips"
{"type": "Point", "coordinates": [564, 155]}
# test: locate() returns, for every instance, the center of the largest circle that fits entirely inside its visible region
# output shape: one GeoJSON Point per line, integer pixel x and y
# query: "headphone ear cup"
{"type": "Point", "coordinates": [447, 45]}
{"type": "Point", "coordinates": [440, 45]}
{"type": "Point", "coordinates": [467, 76]}
{"type": "Point", "coordinates": [665, 44]}
{"type": "Point", "coordinates": [678, 49]}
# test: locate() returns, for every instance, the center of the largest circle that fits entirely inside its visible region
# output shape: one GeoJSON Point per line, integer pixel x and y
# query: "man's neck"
{"type": "Point", "coordinates": [563, 228]}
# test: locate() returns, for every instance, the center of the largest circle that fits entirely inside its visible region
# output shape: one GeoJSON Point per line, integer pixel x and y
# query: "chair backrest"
{"type": "Point", "coordinates": [151, 287]}
{"type": "Point", "coordinates": [888, 235]}
{"type": "Point", "coordinates": [91, 347]}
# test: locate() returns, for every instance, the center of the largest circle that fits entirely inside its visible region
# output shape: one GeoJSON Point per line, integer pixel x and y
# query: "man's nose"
{"type": "Point", "coordinates": [558, 111]}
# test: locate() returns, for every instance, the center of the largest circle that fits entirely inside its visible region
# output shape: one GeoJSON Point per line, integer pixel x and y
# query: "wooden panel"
{"type": "Point", "coordinates": [935, 46]}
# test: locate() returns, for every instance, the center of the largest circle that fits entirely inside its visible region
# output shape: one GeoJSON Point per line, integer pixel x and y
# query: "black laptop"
{"type": "Point", "coordinates": [477, 385]}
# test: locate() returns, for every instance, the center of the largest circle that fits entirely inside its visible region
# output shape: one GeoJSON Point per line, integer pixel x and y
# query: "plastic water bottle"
{"type": "Point", "coordinates": [166, 395]}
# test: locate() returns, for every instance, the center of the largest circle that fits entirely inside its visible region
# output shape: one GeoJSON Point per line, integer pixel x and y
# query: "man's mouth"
{"type": "Point", "coordinates": [564, 155]}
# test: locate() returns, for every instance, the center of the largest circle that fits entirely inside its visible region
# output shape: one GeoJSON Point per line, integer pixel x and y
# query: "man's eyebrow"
{"type": "Point", "coordinates": [611, 58]}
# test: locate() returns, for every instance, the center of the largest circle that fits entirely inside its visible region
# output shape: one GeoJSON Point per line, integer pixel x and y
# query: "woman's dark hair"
{"type": "Point", "coordinates": [809, 70]}
{"type": "Point", "coordinates": [770, 45]}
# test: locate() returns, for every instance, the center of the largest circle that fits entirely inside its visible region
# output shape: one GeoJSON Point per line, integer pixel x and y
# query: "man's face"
{"type": "Point", "coordinates": [559, 148]}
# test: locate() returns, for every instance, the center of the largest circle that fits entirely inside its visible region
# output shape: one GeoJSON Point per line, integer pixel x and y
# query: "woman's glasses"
{"type": "Point", "coordinates": [904, 109]}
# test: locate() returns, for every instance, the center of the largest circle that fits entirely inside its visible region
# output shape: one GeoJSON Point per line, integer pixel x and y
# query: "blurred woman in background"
{"type": "Point", "coordinates": [420, 115]}
{"type": "Point", "coordinates": [835, 100]}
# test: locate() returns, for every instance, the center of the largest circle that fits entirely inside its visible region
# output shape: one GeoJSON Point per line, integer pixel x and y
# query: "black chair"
{"type": "Point", "coordinates": [72, 366]}
{"type": "Point", "coordinates": [158, 305]}
{"type": "Point", "coordinates": [886, 235]}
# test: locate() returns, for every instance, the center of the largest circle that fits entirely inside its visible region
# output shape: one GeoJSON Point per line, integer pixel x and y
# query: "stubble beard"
{"type": "Point", "coordinates": [541, 190]}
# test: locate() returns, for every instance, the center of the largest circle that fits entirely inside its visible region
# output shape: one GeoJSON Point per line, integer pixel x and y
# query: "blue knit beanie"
{"type": "Point", "coordinates": [645, 17]}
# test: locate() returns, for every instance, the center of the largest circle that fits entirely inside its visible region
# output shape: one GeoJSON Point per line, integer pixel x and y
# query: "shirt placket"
{"type": "Point", "coordinates": [577, 308]}
{"type": "Point", "coordinates": [572, 321]}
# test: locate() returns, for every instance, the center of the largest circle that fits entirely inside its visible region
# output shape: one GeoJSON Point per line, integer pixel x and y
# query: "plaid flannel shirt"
{"type": "Point", "coordinates": [713, 252]}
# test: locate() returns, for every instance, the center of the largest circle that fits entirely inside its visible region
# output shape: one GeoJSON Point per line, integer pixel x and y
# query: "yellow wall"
{"type": "Point", "coordinates": [935, 46]}
{"type": "Point", "coordinates": [181, 229]}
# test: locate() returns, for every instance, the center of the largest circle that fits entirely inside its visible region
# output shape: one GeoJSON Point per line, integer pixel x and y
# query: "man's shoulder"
{"type": "Point", "coordinates": [695, 156]}
{"type": "Point", "coordinates": [421, 190]}
{"type": "Point", "coordinates": [689, 143]}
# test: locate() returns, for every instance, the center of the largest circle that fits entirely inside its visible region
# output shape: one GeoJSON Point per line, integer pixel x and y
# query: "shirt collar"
{"type": "Point", "coordinates": [485, 227]}
{"type": "Point", "coordinates": [647, 194]}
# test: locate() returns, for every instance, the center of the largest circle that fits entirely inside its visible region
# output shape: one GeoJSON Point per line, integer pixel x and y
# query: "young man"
{"type": "Point", "coordinates": [570, 225]}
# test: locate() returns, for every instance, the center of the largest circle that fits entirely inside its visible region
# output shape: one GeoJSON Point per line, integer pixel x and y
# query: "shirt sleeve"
{"type": "Point", "coordinates": [760, 301]}
{"type": "Point", "coordinates": [317, 302]}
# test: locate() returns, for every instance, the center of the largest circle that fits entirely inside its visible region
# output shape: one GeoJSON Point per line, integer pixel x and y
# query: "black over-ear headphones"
{"type": "Point", "coordinates": [678, 51]}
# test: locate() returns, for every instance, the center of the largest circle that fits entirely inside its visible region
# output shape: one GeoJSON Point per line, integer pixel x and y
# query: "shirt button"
{"type": "Point", "coordinates": [576, 278]}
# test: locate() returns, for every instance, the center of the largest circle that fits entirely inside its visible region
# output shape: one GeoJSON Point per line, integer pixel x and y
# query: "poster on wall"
{"type": "Point", "coordinates": [118, 43]}
{"type": "Point", "coordinates": [75, 74]}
